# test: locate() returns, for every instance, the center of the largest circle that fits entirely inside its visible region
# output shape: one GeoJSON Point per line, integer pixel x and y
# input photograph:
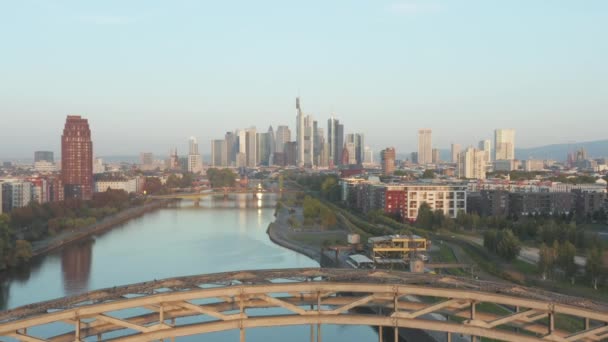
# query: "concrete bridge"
{"type": "Point", "coordinates": [313, 297]}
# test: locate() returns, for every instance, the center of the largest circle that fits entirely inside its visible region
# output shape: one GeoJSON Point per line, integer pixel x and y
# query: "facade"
{"type": "Point", "coordinates": [300, 132]}
{"type": "Point", "coordinates": [231, 148]}
{"type": "Point", "coordinates": [146, 158]}
{"type": "Point", "coordinates": [46, 156]}
{"type": "Point", "coordinates": [335, 139]}
{"type": "Point", "coordinates": [219, 153]}
{"type": "Point", "coordinates": [355, 143]}
{"type": "Point", "coordinates": [472, 164]}
{"type": "Point", "coordinates": [195, 161]}
{"type": "Point", "coordinates": [425, 146]}
{"type": "Point", "coordinates": [504, 165]}
{"type": "Point", "coordinates": [15, 194]}
{"type": "Point", "coordinates": [486, 146]}
{"type": "Point", "coordinates": [504, 144]}
{"type": "Point", "coordinates": [533, 165]}
{"type": "Point", "coordinates": [283, 135]}
{"type": "Point", "coordinates": [271, 146]}
{"type": "Point", "coordinates": [128, 185]}
{"type": "Point", "coordinates": [388, 160]}
{"type": "Point", "coordinates": [436, 156]}
{"type": "Point", "coordinates": [309, 142]}
{"type": "Point", "coordinates": [44, 166]}
{"type": "Point", "coordinates": [263, 149]}
{"type": "Point", "coordinates": [251, 147]}
{"type": "Point", "coordinates": [455, 152]}
{"type": "Point", "coordinates": [291, 153]}
{"type": "Point", "coordinates": [368, 154]}
{"type": "Point", "coordinates": [77, 158]}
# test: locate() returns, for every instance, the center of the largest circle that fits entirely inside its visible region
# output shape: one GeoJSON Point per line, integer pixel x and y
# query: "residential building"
{"type": "Point", "coordinates": [533, 165]}
{"type": "Point", "coordinates": [77, 158]}
{"type": "Point", "coordinates": [486, 147]}
{"type": "Point", "coordinates": [504, 165]}
{"type": "Point", "coordinates": [195, 161]}
{"type": "Point", "coordinates": [436, 156]}
{"type": "Point", "coordinates": [425, 146]}
{"type": "Point", "coordinates": [472, 164]}
{"type": "Point", "coordinates": [388, 160]}
{"type": "Point", "coordinates": [504, 144]}
{"type": "Point", "coordinates": [98, 166]}
{"type": "Point", "coordinates": [44, 166]}
{"type": "Point", "coordinates": [455, 152]}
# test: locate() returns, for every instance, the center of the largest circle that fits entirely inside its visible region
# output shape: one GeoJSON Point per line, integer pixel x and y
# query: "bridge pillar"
{"type": "Point", "coordinates": [380, 336]}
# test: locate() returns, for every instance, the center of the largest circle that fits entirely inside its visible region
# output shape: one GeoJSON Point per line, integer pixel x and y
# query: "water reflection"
{"type": "Point", "coordinates": [76, 267]}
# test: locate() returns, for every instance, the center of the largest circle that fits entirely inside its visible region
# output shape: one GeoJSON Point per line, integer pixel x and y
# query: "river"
{"type": "Point", "coordinates": [217, 236]}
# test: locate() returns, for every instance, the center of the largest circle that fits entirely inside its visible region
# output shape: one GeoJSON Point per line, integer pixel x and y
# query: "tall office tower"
{"type": "Point", "coordinates": [321, 148]}
{"type": "Point", "coordinates": [219, 153]}
{"type": "Point", "coordinates": [77, 158]}
{"type": "Point", "coordinates": [358, 141]}
{"type": "Point", "coordinates": [283, 135]}
{"type": "Point", "coordinates": [455, 152]}
{"type": "Point", "coordinates": [309, 141]}
{"type": "Point", "coordinates": [241, 156]}
{"type": "Point", "coordinates": [231, 148]}
{"type": "Point", "coordinates": [335, 138]}
{"type": "Point", "coordinates": [300, 132]}
{"type": "Point", "coordinates": [388, 160]}
{"type": "Point", "coordinates": [290, 152]}
{"type": "Point", "coordinates": [414, 157]}
{"type": "Point", "coordinates": [146, 158]}
{"type": "Point", "coordinates": [263, 148]}
{"type": "Point", "coordinates": [271, 145]}
{"type": "Point", "coordinates": [368, 158]}
{"type": "Point", "coordinates": [486, 146]}
{"type": "Point", "coordinates": [195, 161]}
{"type": "Point", "coordinates": [317, 143]}
{"type": "Point", "coordinates": [350, 149]}
{"type": "Point", "coordinates": [436, 156]}
{"type": "Point", "coordinates": [472, 164]}
{"type": "Point", "coordinates": [425, 146]}
{"type": "Point", "coordinates": [504, 144]}
{"type": "Point", "coordinates": [251, 147]}
{"type": "Point", "coordinates": [46, 156]}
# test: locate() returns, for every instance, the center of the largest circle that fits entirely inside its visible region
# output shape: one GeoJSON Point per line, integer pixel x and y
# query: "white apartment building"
{"type": "Point", "coordinates": [472, 164]}
{"type": "Point", "coordinates": [425, 146]}
{"type": "Point", "coordinates": [504, 143]}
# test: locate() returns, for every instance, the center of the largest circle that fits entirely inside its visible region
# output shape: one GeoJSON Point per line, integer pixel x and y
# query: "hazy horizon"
{"type": "Point", "coordinates": [150, 74]}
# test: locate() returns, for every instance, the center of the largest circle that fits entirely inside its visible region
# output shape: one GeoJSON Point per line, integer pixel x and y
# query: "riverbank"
{"type": "Point", "coordinates": [63, 239]}
{"type": "Point", "coordinates": [278, 232]}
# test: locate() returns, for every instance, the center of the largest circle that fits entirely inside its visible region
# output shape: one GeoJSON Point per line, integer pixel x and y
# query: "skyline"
{"type": "Point", "coordinates": [385, 68]}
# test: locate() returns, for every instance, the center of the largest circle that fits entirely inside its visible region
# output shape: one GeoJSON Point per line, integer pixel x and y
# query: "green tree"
{"type": "Point", "coordinates": [565, 259]}
{"type": "Point", "coordinates": [152, 185]}
{"type": "Point", "coordinates": [594, 265]}
{"type": "Point", "coordinates": [425, 217]}
{"type": "Point", "coordinates": [546, 260]}
{"type": "Point", "coordinates": [428, 174]}
{"type": "Point", "coordinates": [508, 246]}
{"type": "Point", "coordinates": [221, 178]}
{"type": "Point", "coordinates": [22, 252]}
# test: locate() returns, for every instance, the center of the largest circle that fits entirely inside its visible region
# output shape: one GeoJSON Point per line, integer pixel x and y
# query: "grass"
{"type": "Point", "coordinates": [315, 240]}
{"type": "Point", "coordinates": [525, 267]}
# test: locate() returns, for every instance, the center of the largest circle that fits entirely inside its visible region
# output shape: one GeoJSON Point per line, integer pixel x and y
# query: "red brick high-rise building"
{"type": "Point", "coordinates": [77, 158]}
{"type": "Point", "coordinates": [388, 160]}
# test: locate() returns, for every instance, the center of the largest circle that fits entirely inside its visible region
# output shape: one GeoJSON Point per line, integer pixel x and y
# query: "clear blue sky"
{"type": "Point", "coordinates": [149, 74]}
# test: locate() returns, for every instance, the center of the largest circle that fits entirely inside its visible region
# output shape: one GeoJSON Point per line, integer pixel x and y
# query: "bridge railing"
{"type": "Point", "coordinates": [311, 297]}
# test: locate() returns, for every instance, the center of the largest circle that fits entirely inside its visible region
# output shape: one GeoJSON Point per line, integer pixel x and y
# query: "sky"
{"type": "Point", "coordinates": [149, 74]}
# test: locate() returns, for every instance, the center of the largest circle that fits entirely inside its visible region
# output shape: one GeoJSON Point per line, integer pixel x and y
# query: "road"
{"type": "Point", "coordinates": [527, 254]}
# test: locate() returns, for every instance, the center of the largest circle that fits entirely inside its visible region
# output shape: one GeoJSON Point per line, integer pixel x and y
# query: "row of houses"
{"type": "Point", "coordinates": [404, 200]}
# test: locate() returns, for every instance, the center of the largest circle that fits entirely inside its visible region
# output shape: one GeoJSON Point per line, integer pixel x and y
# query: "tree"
{"type": "Point", "coordinates": [221, 178]}
{"type": "Point", "coordinates": [565, 259]}
{"type": "Point", "coordinates": [428, 174]}
{"type": "Point", "coordinates": [546, 260]}
{"type": "Point", "coordinates": [425, 216]}
{"type": "Point", "coordinates": [152, 185]}
{"type": "Point", "coordinates": [22, 252]}
{"type": "Point", "coordinates": [508, 245]}
{"type": "Point", "coordinates": [594, 265]}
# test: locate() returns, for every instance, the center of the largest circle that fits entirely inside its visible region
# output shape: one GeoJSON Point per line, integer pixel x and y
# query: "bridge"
{"type": "Point", "coordinates": [156, 310]}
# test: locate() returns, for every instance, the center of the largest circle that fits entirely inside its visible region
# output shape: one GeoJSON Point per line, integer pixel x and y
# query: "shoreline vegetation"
{"type": "Point", "coordinates": [37, 229]}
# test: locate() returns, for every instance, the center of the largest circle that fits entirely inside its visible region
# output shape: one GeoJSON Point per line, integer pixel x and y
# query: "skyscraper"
{"type": "Point", "coordinates": [251, 147]}
{"type": "Point", "coordinates": [77, 158]}
{"type": "Point", "coordinates": [219, 153]}
{"type": "Point", "coordinates": [271, 145]}
{"type": "Point", "coordinates": [486, 147]}
{"type": "Point", "coordinates": [335, 138]}
{"type": "Point", "coordinates": [504, 144]}
{"type": "Point", "coordinates": [455, 152]}
{"type": "Point", "coordinates": [263, 148]}
{"type": "Point", "coordinates": [472, 164]}
{"type": "Point", "coordinates": [436, 156]}
{"type": "Point", "coordinates": [309, 141]}
{"type": "Point", "coordinates": [300, 132]}
{"type": "Point", "coordinates": [369, 156]}
{"type": "Point", "coordinates": [388, 160]}
{"type": "Point", "coordinates": [425, 146]}
{"type": "Point", "coordinates": [231, 148]}
{"type": "Point", "coordinates": [358, 144]}
{"type": "Point", "coordinates": [195, 161]}
{"type": "Point", "coordinates": [283, 135]}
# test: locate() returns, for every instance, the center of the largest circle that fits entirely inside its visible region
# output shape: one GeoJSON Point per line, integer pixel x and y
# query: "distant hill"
{"type": "Point", "coordinates": [559, 152]}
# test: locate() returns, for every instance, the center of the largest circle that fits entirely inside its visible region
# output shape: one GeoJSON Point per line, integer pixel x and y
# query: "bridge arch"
{"type": "Point", "coordinates": [312, 297]}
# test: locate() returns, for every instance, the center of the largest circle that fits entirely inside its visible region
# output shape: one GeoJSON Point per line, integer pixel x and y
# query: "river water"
{"type": "Point", "coordinates": [217, 236]}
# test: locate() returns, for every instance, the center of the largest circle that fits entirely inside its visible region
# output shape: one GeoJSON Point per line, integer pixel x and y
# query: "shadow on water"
{"type": "Point", "coordinates": [76, 266]}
